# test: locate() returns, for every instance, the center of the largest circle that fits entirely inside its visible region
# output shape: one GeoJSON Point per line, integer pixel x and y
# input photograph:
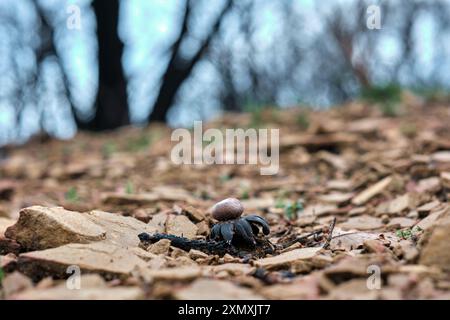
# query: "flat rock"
{"type": "Point", "coordinates": [364, 222]}
{"type": "Point", "coordinates": [341, 185]}
{"type": "Point", "coordinates": [100, 257]}
{"type": "Point", "coordinates": [429, 185]}
{"type": "Point", "coordinates": [287, 258]}
{"type": "Point", "coordinates": [371, 191]}
{"type": "Point", "coordinates": [42, 228]}
{"type": "Point", "coordinates": [355, 289]}
{"type": "Point", "coordinates": [15, 282]}
{"type": "Point", "coordinates": [305, 288]}
{"type": "Point", "coordinates": [445, 179]}
{"type": "Point", "coordinates": [428, 206]}
{"type": "Point", "coordinates": [234, 269]}
{"type": "Point", "coordinates": [441, 156]}
{"type": "Point", "coordinates": [120, 230]}
{"type": "Point", "coordinates": [183, 273]}
{"type": "Point", "coordinates": [399, 204]}
{"type": "Point", "coordinates": [257, 203]}
{"type": "Point", "coordinates": [63, 293]}
{"type": "Point", "coordinates": [161, 193]}
{"type": "Point", "coordinates": [436, 251]}
{"type": "Point", "coordinates": [430, 220]}
{"type": "Point", "coordinates": [351, 241]}
{"type": "Point", "coordinates": [7, 245]}
{"type": "Point", "coordinates": [401, 222]}
{"type": "Point", "coordinates": [336, 197]}
{"type": "Point", "coordinates": [210, 289]}
{"type": "Point", "coordinates": [319, 210]}
{"type": "Point", "coordinates": [125, 198]}
{"type": "Point", "coordinates": [181, 226]}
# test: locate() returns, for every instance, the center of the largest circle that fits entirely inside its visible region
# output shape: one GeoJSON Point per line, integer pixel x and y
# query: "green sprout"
{"type": "Point", "coordinates": [408, 233]}
{"type": "Point", "coordinates": [129, 187]}
{"type": "Point", "coordinates": [2, 275]}
{"type": "Point", "coordinates": [224, 178]}
{"type": "Point", "coordinates": [387, 96]}
{"type": "Point", "coordinates": [245, 194]}
{"type": "Point", "coordinates": [303, 120]}
{"type": "Point", "coordinates": [108, 149]}
{"type": "Point", "coordinates": [291, 209]}
{"type": "Point", "coordinates": [72, 195]}
{"type": "Point", "coordinates": [140, 143]}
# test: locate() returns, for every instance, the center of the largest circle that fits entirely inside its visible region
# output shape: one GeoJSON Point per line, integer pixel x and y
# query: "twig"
{"type": "Point", "coordinates": [303, 239]}
{"type": "Point", "coordinates": [330, 233]}
{"type": "Point", "coordinates": [210, 246]}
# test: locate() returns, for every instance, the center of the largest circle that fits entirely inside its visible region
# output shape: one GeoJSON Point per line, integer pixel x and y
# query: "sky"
{"type": "Point", "coordinates": [147, 29]}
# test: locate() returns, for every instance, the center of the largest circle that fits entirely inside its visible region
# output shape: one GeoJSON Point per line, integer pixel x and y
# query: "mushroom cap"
{"type": "Point", "coordinates": [227, 209]}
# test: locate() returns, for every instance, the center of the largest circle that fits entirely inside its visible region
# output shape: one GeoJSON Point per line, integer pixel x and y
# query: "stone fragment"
{"type": "Point", "coordinates": [210, 289]}
{"type": "Point", "coordinates": [181, 226]}
{"type": "Point", "coordinates": [287, 258]}
{"type": "Point", "coordinates": [14, 283]}
{"type": "Point", "coordinates": [436, 251]}
{"type": "Point", "coordinates": [98, 257]}
{"type": "Point", "coordinates": [364, 222]}
{"type": "Point", "coordinates": [42, 228]}
{"type": "Point", "coordinates": [371, 191]}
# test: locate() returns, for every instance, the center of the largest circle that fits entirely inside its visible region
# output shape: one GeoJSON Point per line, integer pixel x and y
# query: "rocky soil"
{"type": "Point", "coordinates": [82, 203]}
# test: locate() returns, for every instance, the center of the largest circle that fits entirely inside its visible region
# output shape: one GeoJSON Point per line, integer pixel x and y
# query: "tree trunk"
{"type": "Point", "coordinates": [111, 106]}
{"type": "Point", "coordinates": [179, 67]}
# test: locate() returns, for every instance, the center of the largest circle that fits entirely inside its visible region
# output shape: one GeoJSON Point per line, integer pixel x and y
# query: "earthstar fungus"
{"type": "Point", "coordinates": [237, 230]}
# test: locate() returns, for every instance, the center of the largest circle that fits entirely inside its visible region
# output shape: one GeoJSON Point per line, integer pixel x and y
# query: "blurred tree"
{"type": "Point", "coordinates": [180, 67]}
{"type": "Point", "coordinates": [111, 105]}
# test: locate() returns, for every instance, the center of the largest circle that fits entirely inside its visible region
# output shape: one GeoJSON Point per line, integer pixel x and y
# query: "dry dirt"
{"type": "Point", "coordinates": [386, 180]}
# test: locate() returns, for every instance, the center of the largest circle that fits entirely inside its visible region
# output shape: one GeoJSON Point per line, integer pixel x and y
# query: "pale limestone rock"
{"type": "Point", "coordinates": [436, 251]}
{"type": "Point", "coordinates": [287, 258]}
{"type": "Point", "coordinates": [181, 226]}
{"type": "Point", "coordinates": [42, 228]}
{"type": "Point", "coordinates": [106, 259]}
{"type": "Point", "coordinates": [371, 191]}
{"type": "Point", "coordinates": [209, 289]}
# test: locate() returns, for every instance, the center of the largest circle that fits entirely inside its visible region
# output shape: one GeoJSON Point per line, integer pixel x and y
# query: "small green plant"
{"type": "Point", "coordinates": [109, 148]}
{"type": "Point", "coordinates": [224, 178]}
{"type": "Point", "coordinates": [256, 114]}
{"type": "Point", "coordinates": [291, 209]}
{"type": "Point", "coordinates": [279, 203]}
{"type": "Point", "coordinates": [303, 120]}
{"type": "Point", "coordinates": [388, 97]}
{"type": "Point", "coordinates": [129, 187]}
{"type": "Point", "coordinates": [2, 275]}
{"type": "Point", "coordinates": [408, 233]}
{"type": "Point", "coordinates": [408, 130]}
{"type": "Point", "coordinates": [72, 195]}
{"type": "Point", "coordinates": [245, 194]}
{"type": "Point", "coordinates": [140, 143]}
{"type": "Point", "coordinates": [389, 109]}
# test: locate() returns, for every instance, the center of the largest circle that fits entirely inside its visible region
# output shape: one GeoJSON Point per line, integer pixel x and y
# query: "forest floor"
{"type": "Point", "coordinates": [385, 179]}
